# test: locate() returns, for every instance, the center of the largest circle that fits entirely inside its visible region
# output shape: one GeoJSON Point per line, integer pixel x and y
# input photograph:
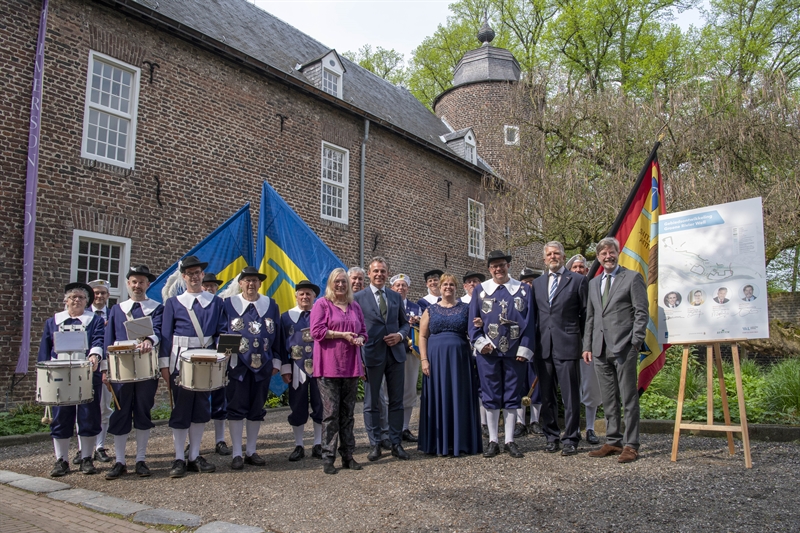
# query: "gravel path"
{"type": "Point", "coordinates": [705, 490]}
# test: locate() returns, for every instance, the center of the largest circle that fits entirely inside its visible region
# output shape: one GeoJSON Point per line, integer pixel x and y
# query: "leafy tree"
{"type": "Point", "coordinates": [388, 64]}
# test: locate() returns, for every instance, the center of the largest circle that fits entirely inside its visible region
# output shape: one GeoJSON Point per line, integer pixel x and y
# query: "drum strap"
{"type": "Point", "coordinates": [197, 329]}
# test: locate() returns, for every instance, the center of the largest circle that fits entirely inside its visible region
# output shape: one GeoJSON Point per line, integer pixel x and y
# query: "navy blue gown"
{"type": "Point", "coordinates": [449, 420]}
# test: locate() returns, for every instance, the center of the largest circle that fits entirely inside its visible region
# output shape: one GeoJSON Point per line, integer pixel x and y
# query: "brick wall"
{"type": "Point", "coordinates": [785, 307]}
{"type": "Point", "coordinates": [208, 135]}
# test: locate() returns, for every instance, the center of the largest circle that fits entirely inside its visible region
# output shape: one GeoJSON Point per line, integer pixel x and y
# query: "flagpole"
{"type": "Point", "coordinates": [621, 215]}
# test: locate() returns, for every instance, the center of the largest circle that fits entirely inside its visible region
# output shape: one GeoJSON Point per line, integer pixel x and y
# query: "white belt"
{"type": "Point", "coordinates": [179, 344]}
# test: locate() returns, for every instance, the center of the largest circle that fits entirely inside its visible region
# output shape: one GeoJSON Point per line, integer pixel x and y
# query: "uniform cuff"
{"type": "Point", "coordinates": [97, 350]}
{"type": "Point", "coordinates": [527, 353]}
{"type": "Point", "coordinates": [286, 369]}
{"type": "Point", "coordinates": [153, 339]}
{"type": "Point", "coordinates": [163, 362]}
{"type": "Point", "coordinates": [276, 363]}
{"type": "Point", "coordinates": [481, 342]}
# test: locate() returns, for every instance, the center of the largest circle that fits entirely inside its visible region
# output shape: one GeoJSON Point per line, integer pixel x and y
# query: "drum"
{"type": "Point", "coordinates": [64, 382]}
{"type": "Point", "coordinates": [127, 364]}
{"type": "Point", "coordinates": [201, 369]}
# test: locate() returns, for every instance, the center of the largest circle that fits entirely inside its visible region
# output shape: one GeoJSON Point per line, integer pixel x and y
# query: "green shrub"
{"type": "Point", "coordinates": [782, 388]}
{"type": "Point", "coordinates": [23, 419]}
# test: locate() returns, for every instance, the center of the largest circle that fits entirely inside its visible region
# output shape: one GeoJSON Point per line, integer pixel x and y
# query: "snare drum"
{"type": "Point", "coordinates": [128, 365]}
{"type": "Point", "coordinates": [202, 369]}
{"type": "Point", "coordinates": [64, 382]}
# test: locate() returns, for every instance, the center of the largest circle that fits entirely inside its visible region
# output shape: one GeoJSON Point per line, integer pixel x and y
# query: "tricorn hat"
{"type": "Point", "coordinates": [208, 277]}
{"type": "Point", "coordinates": [192, 261]}
{"type": "Point", "coordinates": [432, 273]}
{"type": "Point", "coordinates": [528, 272]}
{"type": "Point", "coordinates": [141, 270]}
{"type": "Point", "coordinates": [305, 284]}
{"type": "Point", "coordinates": [472, 274]}
{"type": "Point", "coordinates": [251, 271]}
{"type": "Point", "coordinates": [496, 255]}
{"type": "Point", "coordinates": [84, 286]}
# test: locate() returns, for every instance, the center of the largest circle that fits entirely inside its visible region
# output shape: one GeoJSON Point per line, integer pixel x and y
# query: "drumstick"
{"type": "Point", "coordinates": [111, 390]}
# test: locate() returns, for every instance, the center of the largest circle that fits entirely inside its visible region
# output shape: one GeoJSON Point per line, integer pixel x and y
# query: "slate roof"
{"type": "Point", "coordinates": [456, 134]}
{"type": "Point", "coordinates": [264, 37]}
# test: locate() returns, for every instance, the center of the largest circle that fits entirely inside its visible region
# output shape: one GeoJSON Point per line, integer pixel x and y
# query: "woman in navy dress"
{"type": "Point", "coordinates": [449, 417]}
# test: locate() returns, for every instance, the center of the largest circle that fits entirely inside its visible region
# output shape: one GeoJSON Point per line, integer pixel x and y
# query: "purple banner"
{"type": "Point", "coordinates": [31, 186]}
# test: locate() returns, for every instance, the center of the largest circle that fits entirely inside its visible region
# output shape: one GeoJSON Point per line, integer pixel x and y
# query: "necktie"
{"type": "Point", "coordinates": [553, 287]}
{"type": "Point", "coordinates": [99, 313]}
{"type": "Point", "coordinates": [606, 289]}
{"type": "Point", "coordinates": [382, 304]}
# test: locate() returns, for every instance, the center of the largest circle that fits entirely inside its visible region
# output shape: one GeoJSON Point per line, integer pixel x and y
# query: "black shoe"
{"type": "Point", "coordinates": [316, 451]}
{"type": "Point", "coordinates": [591, 437]}
{"type": "Point", "coordinates": [237, 463]}
{"type": "Point", "coordinates": [101, 455]}
{"type": "Point", "coordinates": [492, 450]}
{"type": "Point", "coordinates": [328, 468]}
{"type": "Point", "coordinates": [569, 449]}
{"type": "Point", "coordinates": [408, 436]}
{"type": "Point", "coordinates": [200, 465]}
{"type": "Point", "coordinates": [141, 469]}
{"type": "Point", "coordinates": [485, 430]}
{"type": "Point", "coordinates": [351, 464]}
{"type": "Point", "coordinates": [400, 453]}
{"type": "Point", "coordinates": [386, 444]}
{"type": "Point", "coordinates": [61, 468]}
{"type": "Point", "coordinates": [77, 459]}
{"type": "Point", "coordinates": [520, 430]}
{"type": "Point", "coordinates": [178, 468]}
{"type": "Point", "coordinates": [551, 447]}
{"type": "Point", "coordinates": [512, 450]}
{"type": "Point", "coordinates": [87, 467]}
{"type": "Point", "coordinates": [222, 449]}
{"type": "Point", "coordinates": [255, 460]}
{"type": "Point", "coordinates": [117, 470]}
{"type": "Point", "coordinates": [374, 453]}
{"type": "Point", "coordinates": [297, 454]}
{"type": "Point", "coordinates": [536, 429]}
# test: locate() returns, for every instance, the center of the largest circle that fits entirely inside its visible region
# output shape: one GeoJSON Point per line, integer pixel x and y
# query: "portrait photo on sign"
{"type": "Point", "coordinates": [672, 300]}
{"type": "Point", "coordinates": [697, 297]}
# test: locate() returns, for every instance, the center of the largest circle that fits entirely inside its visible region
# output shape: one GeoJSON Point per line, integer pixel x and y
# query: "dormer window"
{"type": "Point", "coordinates": [330, 82]}
{"type": "Point", "coordinates": [470, 153]}
{"type": "Point", "coordinates": [332, 74]}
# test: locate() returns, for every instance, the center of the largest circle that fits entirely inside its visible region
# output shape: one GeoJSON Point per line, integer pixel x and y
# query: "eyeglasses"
{"type": "Point", "coordinates": [76, 298]}
{"type": "Point", "coordinates": [193, 274]}
{"type": "Point", "coordinates": [498, 266]}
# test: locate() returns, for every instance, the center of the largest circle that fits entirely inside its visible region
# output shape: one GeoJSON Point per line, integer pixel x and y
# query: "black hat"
{"type": "Point", "coordinates": [251, 271]}
{"type": "Point", "coordinates": [431, 273]}
{"type": "Point", "coordinates": [528, 272]}
{"type": "Point", "coordinates": [472, 274]}
{"type": "Point", "coordinates": [212, 278]}
{"type": "Point", "coordinates": [84, 286]}
{"type": "Point", "coordinates": [192, 261]}
{"type": "Point", "coordinates": [305, 284]}
{"type": "Point", "coordinates": [496, 255]}
{"type": "Point", "coordinates": [141, 270]}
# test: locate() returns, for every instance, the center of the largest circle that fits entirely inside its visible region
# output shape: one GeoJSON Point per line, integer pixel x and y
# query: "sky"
{"type": "Point", "coordinates": [346, 25]}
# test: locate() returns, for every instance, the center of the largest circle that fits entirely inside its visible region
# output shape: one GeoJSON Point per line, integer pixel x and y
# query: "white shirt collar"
{"type": "Point", "coordinates": [466, 298]}
{"type": "Point", "coordinates": [85, 318]}
{"type": "Point", "coordinates": [613, 273]}
{"type": "Point", "coordinates": [148, 306]}
{"type": "Point", "coordinates": [431, 298]}
{"type": "Point", "coordinates": [294, 313]}
{"type": "Point", "coordinates": [512, 286]}
{"type": "Point", "coordinates": [103, 309]}
{"type": "Point", "coordinates": [376, 289]}
{"type": "Point", "coordinates": [240, 304]}
{"type": "Point", "coordinates": [187, 299]}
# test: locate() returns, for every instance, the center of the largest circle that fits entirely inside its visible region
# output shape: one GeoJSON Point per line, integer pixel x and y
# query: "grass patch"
{"type": "Point", "coordinates": [23, 419]}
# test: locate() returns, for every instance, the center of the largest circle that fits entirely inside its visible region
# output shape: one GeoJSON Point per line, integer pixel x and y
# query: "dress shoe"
{"type": "Point", "coordinates": [386, 444]}
{"type": "Point", "coordinates": [237, 463]}
{"type": "Point", "coordinates": [606, 450]}
{"type": "Point", "coordinates": [101, 455]}
{"type": "Point", "coordinates": [408, 436]}
{"type": "Point", "coordinates": [536, 429]}
{"type": "Point", "coordinates": [87, 466]}
{"type": "Point", "coordinates": [551, 447]}
{"type": "Point", "coordinates": [628, 455]}
{"type": "Point", "coordinates": [255, 460]}
{"type": "Point", "coordinates": [77, 459]}
{"type": "Point", "coordinates": [591, 437]}
{"type": "Point", "coordinates": [512, 450]}
{"type": "Point", "coordinates": [117, 470]}
{"type": "Point", "coordinates": [222, 449]}
{"type": "Point", "coordinates": [351, 464]}
{"type": "Point", "coordinates": [492, 450]}
{"type": "Point", "coordinates": [569, 449]}
{"type": "Point", "coordinates": [297, 454]}
{"type": "Point", "coordinates": [141, 469]}
{"type": "Point", "coordinates": [200, 465]}
{"type": "Point", "coordinates": [520, 430]}
{"type": "Point", "coordinates": [328, 468]}
{"type": "Point", "coordinates": [178, 468]}
{"type": "Point", "coordinates": [374, 453]}
{"type": "Point", "coordinates": [316, 451]}
{"type": "Point", "coordinates": [485, 430]}
{"type": "Point", "coordinates": [61, 468]}
{"type": "Point", "coordinates": [400, 453]}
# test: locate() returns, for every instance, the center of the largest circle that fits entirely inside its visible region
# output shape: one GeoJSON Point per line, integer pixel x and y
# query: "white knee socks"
{"type": "Point", "coordinates": [253, 426]}
{"type": "Point", "coordinates": [119, 447]}
{"type": "Point", "coordinates": [142, 437]}
{"type": "Point", "coordinates": [195, 437]}
{"type": "Point", "coordinates": [236, 429]}
{"type": "Point", "coordinates": [298, 435]}
{"type": "Point", "coordinates": [179, 440]}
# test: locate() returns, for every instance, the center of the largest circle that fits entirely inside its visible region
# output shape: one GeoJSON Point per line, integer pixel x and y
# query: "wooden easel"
{"type": "Point", "coordinates": [713, 349]}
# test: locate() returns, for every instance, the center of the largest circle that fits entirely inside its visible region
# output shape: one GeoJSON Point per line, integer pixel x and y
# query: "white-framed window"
{"type": "Point", "coordinates": [332, 74]}
{"type": "Point", "coordinates": [330, 82]}
{"type": "Point", "coordinates": [109, 120]}
{"type": "Point", "coordinates": [470, 153]}
{"type": "Point", "coordinates": [100, 256]}
{"type": "Point", "coordinates": [511, 134]}
{"type": "Point", "coordinates": [476, 229]}
{"type": "Point", "coordinates": [335, 178]}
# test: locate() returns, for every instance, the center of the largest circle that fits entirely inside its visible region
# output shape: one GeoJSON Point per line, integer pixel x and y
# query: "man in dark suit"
{"type": "Point", "coordinates": [560, 298]}
{"type": "Point", "coordinates": [384, 354]}
{"type": "Point", "coordinates": [616, 321]}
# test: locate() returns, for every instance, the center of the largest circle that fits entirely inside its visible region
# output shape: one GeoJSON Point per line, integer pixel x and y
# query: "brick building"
{"type": "Point", "coordinates": [161, 119]}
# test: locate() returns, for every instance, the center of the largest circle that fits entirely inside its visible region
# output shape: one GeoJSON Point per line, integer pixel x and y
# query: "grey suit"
{"type": "Point", "coordinates": [382, 361]}
{"type": "Point", "coordinates": [614, 334]}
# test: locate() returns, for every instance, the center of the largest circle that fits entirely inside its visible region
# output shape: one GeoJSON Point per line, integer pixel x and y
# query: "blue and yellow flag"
{"type": "Point", "coordinates": [227, 250]}
{"type": "Point", "coordinates": [288, 251]}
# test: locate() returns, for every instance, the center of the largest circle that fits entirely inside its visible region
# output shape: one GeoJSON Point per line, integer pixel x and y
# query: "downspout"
{"type": "Point", "coordinates": [361, 195]}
